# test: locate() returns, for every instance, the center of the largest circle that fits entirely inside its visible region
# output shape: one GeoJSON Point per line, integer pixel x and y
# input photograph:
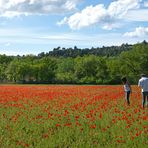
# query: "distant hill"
{"type": "Point", "coordinates": [74, 52]}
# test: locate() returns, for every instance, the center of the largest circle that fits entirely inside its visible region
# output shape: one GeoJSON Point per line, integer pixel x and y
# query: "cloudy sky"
{"type": "Point", "coordinates": [34, 26]}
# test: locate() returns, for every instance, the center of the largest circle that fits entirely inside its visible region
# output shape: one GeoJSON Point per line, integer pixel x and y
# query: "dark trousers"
{"type": "Point", "coordinates": [127, 97]}
{"type": "Point", "coordinates": [145, 98]}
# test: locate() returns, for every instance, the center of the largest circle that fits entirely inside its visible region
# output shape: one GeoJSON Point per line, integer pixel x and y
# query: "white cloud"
{"type": "Point", "coordinates": [110, 26]}
{"type": "Point", "coordinates": [139, 31]}
{"type": "Point", "coordinates": [108, 17]}
{"type": "Point", "coordinates": [62, 37]}
{"type": "Point", "coordinates": [62, 21]}
{"type": "Point", "coordinates": [137, 15]}
{"type": "Point", "coordinates": [11, 8]}
{"type": "Point", "coordinates": [146, 4]}
{"type": "Point", "coordinates": [7, 44]}
{"type": "Point", "coordinates": [87, 17]}
{"type": "Point", "coordinates": [31, 41]}
{"type": "Point", "coordinates": [120, 7]}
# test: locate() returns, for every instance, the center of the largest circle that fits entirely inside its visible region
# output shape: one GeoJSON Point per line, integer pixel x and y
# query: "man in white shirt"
{"type": "Point", "coordinates": [143, 83]}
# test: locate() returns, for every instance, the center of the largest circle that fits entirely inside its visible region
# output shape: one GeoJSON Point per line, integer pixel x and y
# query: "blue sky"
{"type": "Point", "coordinates": [35, 26]}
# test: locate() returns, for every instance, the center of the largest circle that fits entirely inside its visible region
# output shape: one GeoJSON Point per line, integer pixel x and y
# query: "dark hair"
{"type": "Point", "coordinates": [124, 80]}
{"type": "Point", "coordinates": [143, 75]}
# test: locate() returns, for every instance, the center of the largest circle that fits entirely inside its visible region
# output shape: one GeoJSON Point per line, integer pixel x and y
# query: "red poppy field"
{"type": "Point", "coordinates": [62, 116]}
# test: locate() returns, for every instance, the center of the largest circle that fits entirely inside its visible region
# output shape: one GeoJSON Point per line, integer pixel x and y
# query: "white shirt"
{"type": "Point", "coordinates": [143, 83]}
{"type": "Point", "coordinates": [126, 87]}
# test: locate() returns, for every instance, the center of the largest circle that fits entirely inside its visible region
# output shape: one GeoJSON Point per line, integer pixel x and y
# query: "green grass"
{"type": "Point", "coordinates": [31, 127]}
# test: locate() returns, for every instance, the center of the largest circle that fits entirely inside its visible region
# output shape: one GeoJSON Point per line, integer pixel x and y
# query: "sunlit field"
{"type": "Point", "coordinates": [71, 116]}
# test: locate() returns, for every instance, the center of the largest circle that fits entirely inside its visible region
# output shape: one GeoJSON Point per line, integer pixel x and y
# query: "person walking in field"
{"type": "Point", "coordinates": [143, 83]}
{"type": "Point", "coordinates": [127, 89]}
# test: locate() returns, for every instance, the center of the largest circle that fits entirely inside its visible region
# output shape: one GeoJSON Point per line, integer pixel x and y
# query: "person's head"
{"type": "Point", "coordinates": [143, 75]}
{"type": "Point", "coordinates": [124, 80]}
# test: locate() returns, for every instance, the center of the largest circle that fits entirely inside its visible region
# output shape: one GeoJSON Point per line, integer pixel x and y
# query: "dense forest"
{"type": "Point", "coordinates": [74, 52]}
{"type": "Point", "coordinates": [104, 65]}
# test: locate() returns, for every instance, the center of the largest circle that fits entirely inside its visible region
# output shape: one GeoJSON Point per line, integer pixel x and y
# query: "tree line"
{"type": "Point", "coordinates": [74, 52]}
{"type": "Point", "coordinates": [86, 69]}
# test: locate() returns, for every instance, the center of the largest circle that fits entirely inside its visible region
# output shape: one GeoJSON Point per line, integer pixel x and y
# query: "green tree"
{"type": "Point", "coordinates": [86, 69]}
{"type": "Point", "coordinates": [13, 71]}
{"type": "Point", "coordinates": [102, 72]}
{"type": "Point", "coordinates": [47, 68]}
{"type": "Point", "coordinates": [65, 71]}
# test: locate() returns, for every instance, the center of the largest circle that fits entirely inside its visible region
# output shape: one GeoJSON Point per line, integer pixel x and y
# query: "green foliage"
{"type": "Point", "coordinates": [77, 68]}
{"type": "Point", "coordinates": [47, 69]}
{"type": "Point", "coordinates": [65, 71]}
{"type": "Point", "coordinates": [74, 52]}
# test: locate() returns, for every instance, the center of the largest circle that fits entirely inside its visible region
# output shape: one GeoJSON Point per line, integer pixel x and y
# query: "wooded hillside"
{"type": "Point", "coordinates": [104, 65]}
